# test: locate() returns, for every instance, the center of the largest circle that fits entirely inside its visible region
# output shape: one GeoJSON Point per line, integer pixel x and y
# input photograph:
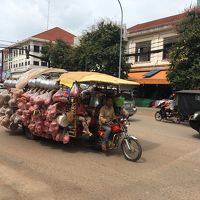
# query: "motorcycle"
{"type": "Point", "coordinates": [164, 114]}
{"type": "Point", "coordinates": [119, 136]}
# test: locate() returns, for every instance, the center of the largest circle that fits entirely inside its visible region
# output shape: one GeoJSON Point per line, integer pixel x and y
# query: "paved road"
{"type": "Point", "coordinates": [41, 169]}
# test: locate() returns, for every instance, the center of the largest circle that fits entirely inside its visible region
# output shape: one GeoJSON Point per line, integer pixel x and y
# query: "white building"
{"type": "Point", "coordinates": [148, 50]}
{"type": "Point", "coordinates": [15, 62]}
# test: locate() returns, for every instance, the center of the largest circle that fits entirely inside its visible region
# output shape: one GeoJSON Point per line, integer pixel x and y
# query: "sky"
{"type": "Point", "coordinates": [23, 18]}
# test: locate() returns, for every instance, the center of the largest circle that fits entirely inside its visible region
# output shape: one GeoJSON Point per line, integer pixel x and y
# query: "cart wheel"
{"type": "Point", "coordinates": [29, 135]}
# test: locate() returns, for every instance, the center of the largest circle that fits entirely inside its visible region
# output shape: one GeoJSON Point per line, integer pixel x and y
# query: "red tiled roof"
{"type": "Point", "coordinates": [156, 23]}
{"type": "Point", "coordinates": [56, 33]}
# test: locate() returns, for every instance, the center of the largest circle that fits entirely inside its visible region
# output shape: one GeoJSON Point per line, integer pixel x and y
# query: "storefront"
{"type": "Point", "coordinates": [153, 84]}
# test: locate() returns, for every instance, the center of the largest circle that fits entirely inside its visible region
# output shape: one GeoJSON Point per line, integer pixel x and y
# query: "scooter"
{"type": "Point", "coordinates": [164, 114]}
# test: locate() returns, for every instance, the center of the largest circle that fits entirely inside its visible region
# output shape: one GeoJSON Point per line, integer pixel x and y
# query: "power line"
{"type": "Point", "coordinates": [7, 41]}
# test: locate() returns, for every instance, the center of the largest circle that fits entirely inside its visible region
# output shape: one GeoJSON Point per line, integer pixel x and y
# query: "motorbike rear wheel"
{"type": "Point", "coordinates": [135, 151]}
{"type": "Point", "coordinates": [158, 116]}
{"type": "Point", "coordinates": [177, 120]}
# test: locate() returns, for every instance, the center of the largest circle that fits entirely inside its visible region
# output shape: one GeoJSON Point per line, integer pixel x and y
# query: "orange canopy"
{"type": "Point", "coordinates": [158, 79]}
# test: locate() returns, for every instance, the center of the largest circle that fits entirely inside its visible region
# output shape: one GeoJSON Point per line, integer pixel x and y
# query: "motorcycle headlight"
{"type": "Point", "coordinates": [195, 115]}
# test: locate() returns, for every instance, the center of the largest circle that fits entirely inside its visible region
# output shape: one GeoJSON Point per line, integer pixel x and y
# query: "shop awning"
{"type": "Point", "coordinates": [160, 78]}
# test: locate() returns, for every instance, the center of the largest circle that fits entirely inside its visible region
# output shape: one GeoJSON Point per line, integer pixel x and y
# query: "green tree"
{"type": "Point", "coordinates": [99, 50]}
{"type": "Point", "coordinates": [59, 53]}
{"type": "Point", "coordinates": [184, 71]}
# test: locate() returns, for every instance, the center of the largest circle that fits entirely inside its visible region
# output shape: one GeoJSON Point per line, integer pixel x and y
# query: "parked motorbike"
{"type": "Point", "coordinates": [119, 136]}
{"type": "Point", "coordinates": [164, 114]}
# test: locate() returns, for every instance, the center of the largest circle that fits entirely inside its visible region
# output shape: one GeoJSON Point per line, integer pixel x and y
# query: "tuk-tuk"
{"type": "Point", "coordinates": [50, 108]}
{"type": "Point", "coordinates": [189, 107]}
{"type": "Point", "coordinates": [188, 102]}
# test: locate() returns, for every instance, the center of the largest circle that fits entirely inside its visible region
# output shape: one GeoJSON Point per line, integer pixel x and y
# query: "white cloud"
{"type": "Point", "coordinates": [23, 18]}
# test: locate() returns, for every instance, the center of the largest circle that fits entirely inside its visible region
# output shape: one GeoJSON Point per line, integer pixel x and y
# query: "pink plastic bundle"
{"type": "Point", "coordinates": [32, 97]}
{"type": "Point", "coordinates": [39, 99]}
{"type": "Point", "coordinates": [54, 127]}
{"type": "Point", "coordinates": [33, 108]}
{"type": "Point", "coordinates": [43, 113]}
{"type": "Point", "coordinates": [25, 120]}
{"type": "Point", "coordinates": [46, 126]}
{"type": "Point", "coordinates": [66, 139]}
{"type": "Point", "coordinates": [27, 105]}
{"type": "Point", "coordinates": [19, 112]}
{"type": "Point", "coordinates": [27, 94]}
{"type": "Point", "coordinates": [31, 126]}
{"type": "Point", "coordinates": [39, 127]}
{"type": "Point", "coordinates": [21, 105]}
{"type": "Point", "coordinates": [58, 96]}
{"type": "Point", "coordinates": [51, 112]}
{"type": "Point", "coordinates": [27, 114]}
{"type": "Point", "coordinates": [59, 137]}
{"type": "Point", "coordinates": [48, 97]}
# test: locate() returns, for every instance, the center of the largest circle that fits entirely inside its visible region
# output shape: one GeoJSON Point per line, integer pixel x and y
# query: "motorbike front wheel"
{"type": "Point", "coordinates": [158, 116]}
{"type": "Point", "coordinates": [131, 149]}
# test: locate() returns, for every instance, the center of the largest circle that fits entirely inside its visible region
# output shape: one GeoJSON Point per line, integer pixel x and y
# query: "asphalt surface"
{"type": "Point", "coordinates": [38, 170]}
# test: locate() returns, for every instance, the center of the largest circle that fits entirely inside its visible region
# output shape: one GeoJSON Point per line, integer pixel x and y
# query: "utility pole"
{"type": "Point", "coordinates": [121, 39]}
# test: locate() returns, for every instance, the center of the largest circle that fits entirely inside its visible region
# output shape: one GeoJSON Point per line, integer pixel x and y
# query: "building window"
{"type": "Point", "coordinates": [22, 64]}
{"type": "Point", "coordinates": [25, 63]}
{"type": "Point", "coordinates": [43, 63]}
{"type": "Point", "coordinates": [42, 48]}
{"type": "Point", "coordinates": [143, 51]}
{"type": "Point", "coordinates": [35, 62]}
{"type": "Point", "coordinates": [19, 64]}
{"type": "Point", "coordinates": [28, 62]}
{"type": "Point", "coordinates": [16, 65]}
{"type": "Point", "coordinates": [36, 49]}
{"type": "Point", "coordinates": [167, 46]}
